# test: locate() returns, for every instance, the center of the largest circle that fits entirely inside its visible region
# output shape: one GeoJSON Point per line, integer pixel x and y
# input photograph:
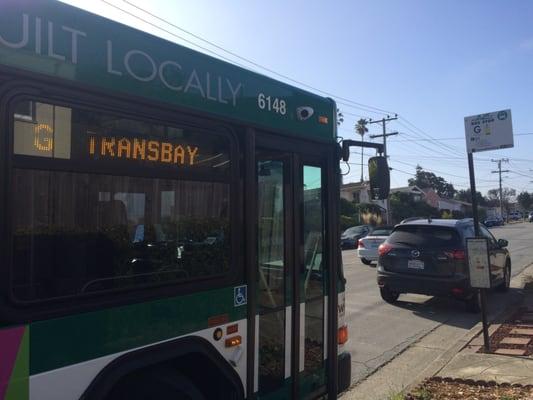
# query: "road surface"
{"type": "Point", "coordinates": [380, 331]}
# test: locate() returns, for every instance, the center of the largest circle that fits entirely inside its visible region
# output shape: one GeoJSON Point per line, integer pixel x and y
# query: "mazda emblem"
{"type": "Point", "coordinates": [415, 253]}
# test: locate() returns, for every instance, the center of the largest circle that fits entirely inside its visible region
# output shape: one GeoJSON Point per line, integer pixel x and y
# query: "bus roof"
{"type": "Point", "coordinates": [54, 39]}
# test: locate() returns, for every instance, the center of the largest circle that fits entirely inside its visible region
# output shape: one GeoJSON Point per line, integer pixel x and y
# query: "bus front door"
{"type": "Point", "coordinates": [291, 318]}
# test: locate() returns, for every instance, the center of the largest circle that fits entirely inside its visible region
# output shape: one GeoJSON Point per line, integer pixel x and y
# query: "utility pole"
{"type": "Point", "coordinates": [500, 175]}
{"type": "Point", "coordinates": [361, 129]}
{"type": "Point", "coordinates": [384, 135]}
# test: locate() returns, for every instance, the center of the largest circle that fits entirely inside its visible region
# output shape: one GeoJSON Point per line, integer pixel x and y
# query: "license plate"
{"type": "Point", "coordinates": [415, 264]}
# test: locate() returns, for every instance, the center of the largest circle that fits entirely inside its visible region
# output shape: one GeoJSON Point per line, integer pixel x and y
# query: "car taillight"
{"type": "Point", "coordinates": [456, 254]}
{"type": "Point", "coordinates": [384, 248]}
{"type": "Point", "coordinates": [360, 244]}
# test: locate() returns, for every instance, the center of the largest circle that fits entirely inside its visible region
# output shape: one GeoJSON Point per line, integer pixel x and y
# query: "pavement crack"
{"type": "Point", "coordinates": [404, 345]}
{"type": "Point", "coordinates": [489, 367]}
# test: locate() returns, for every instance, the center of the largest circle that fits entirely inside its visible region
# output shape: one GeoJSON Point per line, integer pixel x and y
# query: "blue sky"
{"type": "Point", "coordinates": [432, 62]}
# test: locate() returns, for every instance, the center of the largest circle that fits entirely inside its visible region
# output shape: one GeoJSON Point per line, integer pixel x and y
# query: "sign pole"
{"type": "Point", "coordinates": [489, 131]}
{"type": "Point", "coordinates": [473, 193]}
{"type": "Point", "coordinates": [481, 291]}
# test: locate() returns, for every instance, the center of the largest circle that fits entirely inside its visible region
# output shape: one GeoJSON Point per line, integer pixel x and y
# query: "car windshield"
{"type": "Point", "coordinates": [425, 236]}
{"type": "Point", "coordinates": [354, 230]}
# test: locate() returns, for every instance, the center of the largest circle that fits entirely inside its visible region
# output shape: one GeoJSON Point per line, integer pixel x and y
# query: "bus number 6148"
{"type": "Point", "coordinates": [271, 104]}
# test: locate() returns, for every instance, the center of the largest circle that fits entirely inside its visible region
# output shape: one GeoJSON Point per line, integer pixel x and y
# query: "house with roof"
{"type": "Point", "coordinates": [454, 205]}
{"type": "Point", "coordinates": [360, 193]}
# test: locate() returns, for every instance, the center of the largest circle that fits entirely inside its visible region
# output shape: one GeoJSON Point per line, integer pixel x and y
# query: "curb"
{"type": "Point", "coordinates": [438, 364]}
{"type": "Point", "coordinates": [478, 382]}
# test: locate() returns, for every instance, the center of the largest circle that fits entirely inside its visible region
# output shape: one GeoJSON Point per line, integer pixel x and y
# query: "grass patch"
{"type": "Point", "coordinates": [396, 396]}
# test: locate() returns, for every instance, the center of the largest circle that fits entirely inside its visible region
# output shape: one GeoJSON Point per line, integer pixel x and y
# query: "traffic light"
{"type": "Point", "coordinates": [379, 175]}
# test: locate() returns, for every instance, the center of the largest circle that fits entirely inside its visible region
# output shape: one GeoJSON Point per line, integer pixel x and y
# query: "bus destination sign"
{"type": "Point", "coordinates": [142, 149]}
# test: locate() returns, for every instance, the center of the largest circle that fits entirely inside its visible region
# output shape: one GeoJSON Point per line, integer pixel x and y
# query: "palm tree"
{"type": "Point", "coordinates": [361, 129]}
{"type": "Point", "coordinates": [340, 117]}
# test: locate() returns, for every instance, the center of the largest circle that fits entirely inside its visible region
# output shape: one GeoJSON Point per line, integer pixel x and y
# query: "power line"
{"type": "Point", "coordinates": [354, 115]}
{"type": "Point", "coordinates": [417, 142]}
{"type": "Point", "coordinates": [435, 149]}
{"type": "Point", "coordinates": [451, 138]}
{"type": "Point", "coordinates": [438, 145]}
{"type": "Point", "coordinates": [170, 33]}
{"type": "Point", "coordinates": [518, 173]}
{"type": "Point", "coordinates": [438, 157]}
{"type": "Point", "coordinates": [403, 172]}
{"type": "Point", "coordinates": [499, 172]}
{"type": "Point", "coordinates": [345, 101]}
{"type": "Point", "coordinates": [424, 133]}
{"type": "Point", "coordinates": [351, 103]}
{"type": "Point", "coordinates": [436, 171]}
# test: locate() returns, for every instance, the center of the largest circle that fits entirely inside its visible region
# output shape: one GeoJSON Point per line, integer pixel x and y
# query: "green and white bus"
{"type": "Point", "coordinates": [169, 221]}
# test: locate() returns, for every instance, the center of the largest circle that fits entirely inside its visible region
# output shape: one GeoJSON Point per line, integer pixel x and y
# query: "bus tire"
{"type": "Point", "coordinates": [161, 383]}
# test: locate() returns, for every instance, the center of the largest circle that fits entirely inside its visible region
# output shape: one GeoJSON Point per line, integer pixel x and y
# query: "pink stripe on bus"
{"type": "Point", "coordinates": [9, 346]}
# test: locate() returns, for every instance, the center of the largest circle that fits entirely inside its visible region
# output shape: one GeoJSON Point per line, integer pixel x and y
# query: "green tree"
{"type": "Point", "coordinates": [349, 214]}
{"type": "Point", "coordinates": [494, 197]}
{"type": "Point", "coordinates": [358, 213]}
{"type": "Point", "coordinates": [525, 200]}
{"type": "Point", "coordinates": [425, 179]}
{"type": "Point", "coordinates": [340, 117]}
{"type": "Point", "coordinates": [347, 207]}
{"type": "Point", "coordinates": [370, 213]}
{"type": "Point", "coordinates": [466, 196]}
{"type": "Point", "coordinates": [403, 206]}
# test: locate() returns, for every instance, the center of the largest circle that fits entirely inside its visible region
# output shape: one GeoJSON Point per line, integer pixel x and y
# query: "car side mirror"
{"type": "Point", "coordinates": [503, 243]}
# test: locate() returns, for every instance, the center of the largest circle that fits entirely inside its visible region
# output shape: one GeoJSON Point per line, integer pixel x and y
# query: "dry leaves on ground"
{"type": "Point", "coordinates": [436, 389]}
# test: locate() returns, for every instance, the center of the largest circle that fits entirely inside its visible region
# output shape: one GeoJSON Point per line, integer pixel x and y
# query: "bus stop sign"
{"type": "Point", "coordinates": [478, 262]}
{"type": "Point", "coordinates": [489, 131]}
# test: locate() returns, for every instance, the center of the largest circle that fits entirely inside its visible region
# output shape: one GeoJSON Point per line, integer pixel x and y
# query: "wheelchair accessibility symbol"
{"type": "Point", "coordinates": [240, 296]}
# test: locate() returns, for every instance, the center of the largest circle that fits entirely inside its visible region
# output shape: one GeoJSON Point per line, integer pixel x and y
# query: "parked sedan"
{"type": "Point", "coordinates": [351, 235]}
{"type": "Point", "coordinates": [490, 222]}
{"type": "Point", "coordinates": [367, 247]}
{"type": "Point", "coordinates": [515, 215]}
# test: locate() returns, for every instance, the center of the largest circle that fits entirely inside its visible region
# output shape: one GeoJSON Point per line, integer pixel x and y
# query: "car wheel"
{"type": "Point", "coordinates": [504, 287]}
{"type": "Point", "coordinates": [473, 304]}
{"type": "Point", "coordinates": [365, 261]}
{"type": "Point", "coordinates": [388, 295]}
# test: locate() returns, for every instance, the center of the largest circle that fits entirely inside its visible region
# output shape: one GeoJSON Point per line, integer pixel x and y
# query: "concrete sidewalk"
{"type": "Point", "coordinates": [489, 367]}
{"type": "Point", "coordinates": [444, 353]}
{"type": "Point", "coordinates": [468, 364]}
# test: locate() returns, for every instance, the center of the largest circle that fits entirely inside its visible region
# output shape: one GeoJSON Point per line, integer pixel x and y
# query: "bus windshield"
{"type": "Point", "coordinates": [81, 227]}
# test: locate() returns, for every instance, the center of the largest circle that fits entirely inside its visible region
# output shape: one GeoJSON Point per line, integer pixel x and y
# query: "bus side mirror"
{"type": "Point", "coordinates": [345, 152]}
{"type": "Point", "coordinates": [503, 243]}
{"type": "Point", "coordinates": [379, 176]}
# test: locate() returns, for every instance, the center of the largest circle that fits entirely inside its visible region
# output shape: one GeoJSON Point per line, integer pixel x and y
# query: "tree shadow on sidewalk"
{"type": "Point", "coordinates": [450, 311]}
